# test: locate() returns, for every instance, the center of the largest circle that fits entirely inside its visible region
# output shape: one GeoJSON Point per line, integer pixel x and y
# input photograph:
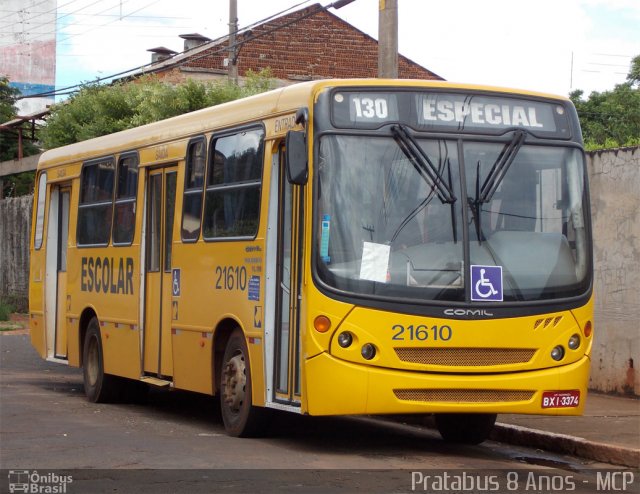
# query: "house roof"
{"type": "Point", "coordinates": [248, 36]}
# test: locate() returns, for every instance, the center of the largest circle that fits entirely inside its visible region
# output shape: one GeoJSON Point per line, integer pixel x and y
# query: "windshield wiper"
{"type": "Point", "coordinates": [501, 166]}
{"type": "Point", "coordinates": [494, 178]}
{"type": "Point", "coordinates": [421, 162]}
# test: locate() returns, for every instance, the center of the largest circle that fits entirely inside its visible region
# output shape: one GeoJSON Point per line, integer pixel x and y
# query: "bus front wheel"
{"type": "Point", "coordinates": [240, 417]}
{"type": "Point", "coordinates": [98, 386]}
{"type": "Point", "coordinates": [465, 428]}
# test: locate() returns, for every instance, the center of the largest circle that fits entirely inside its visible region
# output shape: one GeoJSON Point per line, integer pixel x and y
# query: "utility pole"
{"type": "Point", "coordinates": [233, 49]}
{"type": "Point", "coordinates": [388, 39]}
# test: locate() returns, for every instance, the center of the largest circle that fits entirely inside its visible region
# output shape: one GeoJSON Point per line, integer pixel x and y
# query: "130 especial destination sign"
{"type": "Point", "coordinates": [466, 112]}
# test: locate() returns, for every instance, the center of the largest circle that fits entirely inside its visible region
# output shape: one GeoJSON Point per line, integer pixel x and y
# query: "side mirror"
{"type": "Point", "coordinates": [296, 157]}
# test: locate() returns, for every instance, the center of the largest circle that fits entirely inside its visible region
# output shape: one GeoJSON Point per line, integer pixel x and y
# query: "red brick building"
{"type": "Point", "coordinates": [307, 44]}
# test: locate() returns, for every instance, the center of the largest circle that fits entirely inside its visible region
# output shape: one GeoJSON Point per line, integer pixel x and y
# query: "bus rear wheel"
{"type": "Point", "coordinates": [240, 417]}
{"type": "Point", "coordinates": [465, 428]}
{"type": "Point", "coordinates": [98, 386]}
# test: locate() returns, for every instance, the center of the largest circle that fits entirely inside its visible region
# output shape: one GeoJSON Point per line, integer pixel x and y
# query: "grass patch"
{"type": "Point", "coordinates": [9, 326]}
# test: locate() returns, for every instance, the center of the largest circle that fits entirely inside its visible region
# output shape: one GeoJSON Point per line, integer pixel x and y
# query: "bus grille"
{"type": "Point", "coordinates": [464, 395]}
{"type": "Point", "coordinates": [467, 357]}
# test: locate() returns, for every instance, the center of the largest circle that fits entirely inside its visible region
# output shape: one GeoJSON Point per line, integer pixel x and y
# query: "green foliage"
{"type": "Point", "coordinates": [633, 77]}
{"type": "Point", "coordinates": [21, 183]}
{"type": "Point", "coordinates": [611, 119]}
{"type": "Point", "coordinates": [98, 110]}
{"type": "Point", "coordinates": [17, 185]}
{"type": "Point", "coordinates": [5, 310]}
{"type": "Point", "coordinates": [8, 111]}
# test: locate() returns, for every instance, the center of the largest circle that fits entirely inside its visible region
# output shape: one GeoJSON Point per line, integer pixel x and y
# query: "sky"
{"type": "Point", "coordinates": [553, 46]}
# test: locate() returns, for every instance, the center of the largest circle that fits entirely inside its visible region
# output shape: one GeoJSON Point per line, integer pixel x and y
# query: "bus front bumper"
{"type": "Point", "coordinates": [337, 387]}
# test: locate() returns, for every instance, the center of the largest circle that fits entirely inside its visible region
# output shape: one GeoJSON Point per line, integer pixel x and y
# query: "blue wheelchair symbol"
{"type": "Point", "coordinates": [175, 283]}
{"type": "Point", "coordinates": [486, 283]}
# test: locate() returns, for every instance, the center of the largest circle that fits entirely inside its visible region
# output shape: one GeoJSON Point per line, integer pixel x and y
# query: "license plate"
{"type": "Point", "coordinates": [561, 399]}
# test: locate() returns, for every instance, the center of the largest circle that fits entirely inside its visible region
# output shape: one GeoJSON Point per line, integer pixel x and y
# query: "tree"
{"type": "Point", "coordinates": [21, 183]}
{"type": "Point", "coordinates": [97, 110]}
{"type": "Point", "coordinates": [634, 74]}
{"type": "Point", "coordinates": [8, 95]}
{"type": "Point", "coordinates": [611, 119]}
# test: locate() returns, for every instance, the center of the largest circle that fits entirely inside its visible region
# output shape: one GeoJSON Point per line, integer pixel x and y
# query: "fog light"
{"type": "Point", "coordinates": [345, 339]}
{"type": "Point", "coordinates": [368, 351]}
{"type": "Point", "coordinates": [557, 353]}
{"type": "Point", "coordinates": [574, 342]}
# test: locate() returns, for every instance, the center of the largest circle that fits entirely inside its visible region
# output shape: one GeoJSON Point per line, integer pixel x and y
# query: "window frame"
{"type": "Point", "coordinates": [234, 186]}
{"type": "Point", "coordinates": [81, 205]}
{"type": "Point", "coordinates": [130, 199]}
{"type": "Point", "coordinates": [193, 190]}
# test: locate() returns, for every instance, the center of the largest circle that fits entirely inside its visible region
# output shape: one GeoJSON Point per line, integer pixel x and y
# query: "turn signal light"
{"type": "Point", "coordinates": [588, 328]}
{"type": "Point", "coordinates": [322, 324]}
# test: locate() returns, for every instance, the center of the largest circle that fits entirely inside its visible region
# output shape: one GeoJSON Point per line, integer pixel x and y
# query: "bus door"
{"type": "Point", "coordinates": [288, 282]}
{"type": "Point", "coordinates": [160, 207]}
{"type": "Point", "coordinates": [56, 271]}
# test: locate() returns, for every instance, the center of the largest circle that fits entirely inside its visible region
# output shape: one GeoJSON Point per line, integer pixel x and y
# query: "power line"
{"type": "Point", "coordinates": [55, 30]}
{"type": "Point", "coordinates": [39, 15]}
{"type": "Point", "coordinates": [321, 8]}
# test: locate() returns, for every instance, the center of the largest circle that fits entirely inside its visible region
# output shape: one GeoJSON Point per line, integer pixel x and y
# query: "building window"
{"type": "Point", "coordinates": [124, 215]}
{"type": "Point", "coordinates": [232, 203]}
{"type": "Point", "coordinates": [96, 202]}
{"type": "Point", "coordinates": [193, 188]}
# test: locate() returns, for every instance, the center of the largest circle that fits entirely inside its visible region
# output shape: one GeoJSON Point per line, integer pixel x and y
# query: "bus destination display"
{"type": "Point", "coordinates": [463, 112]}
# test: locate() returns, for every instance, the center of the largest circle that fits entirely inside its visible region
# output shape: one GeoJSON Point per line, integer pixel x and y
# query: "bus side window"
{"type": "Point", "coordinates": [96, 202]}
{"type": "Point", "coordinates": [234, 180]}
{"type": "Point", "coordinates": [193, 188]}
{"type": "Point", "coordinates": [125, 205]}
{"type": "Point", "coordinates": [42, 195]}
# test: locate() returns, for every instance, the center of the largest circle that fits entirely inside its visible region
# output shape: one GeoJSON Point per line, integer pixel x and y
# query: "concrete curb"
{"type": "Point", "coordinates": [562, 443]}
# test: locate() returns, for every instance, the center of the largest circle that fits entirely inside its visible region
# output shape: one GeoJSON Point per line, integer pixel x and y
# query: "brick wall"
{"type": "Point", "coordinates": [316, 47]}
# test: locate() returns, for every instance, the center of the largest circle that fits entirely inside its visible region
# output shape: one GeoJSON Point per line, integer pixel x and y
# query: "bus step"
{"type": "Point", "coordinates": [161, 383]}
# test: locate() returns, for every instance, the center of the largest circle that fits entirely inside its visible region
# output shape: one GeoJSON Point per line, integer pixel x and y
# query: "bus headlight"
{"type": "Point", "coordinates": [557, 353]}
{"type": "Point", "coordinates": [345, 339]}
{"type": "Point", "coordinates": [368, 351]}
{"type": "Point", "coordinates": [574, 342]}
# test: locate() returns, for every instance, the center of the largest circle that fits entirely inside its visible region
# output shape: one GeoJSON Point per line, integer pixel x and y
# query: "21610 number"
{"type": "Point", "coordinates": [421, 332]}
{"type": "Point", "coordinates": [231, 278]}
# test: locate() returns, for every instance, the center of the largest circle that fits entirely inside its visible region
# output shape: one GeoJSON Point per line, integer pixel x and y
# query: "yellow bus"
{"type": "Point", "coordinates": [331, 247]}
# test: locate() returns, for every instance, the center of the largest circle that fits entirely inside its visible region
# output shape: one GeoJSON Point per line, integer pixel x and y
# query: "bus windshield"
{"type": "Point", "coordinates": [393, 218]}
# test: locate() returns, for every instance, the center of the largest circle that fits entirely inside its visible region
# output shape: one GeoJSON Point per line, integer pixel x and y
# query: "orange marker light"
{"type": "Point", "coordinates": [322, 324]}
{"type": "Point", "coordinates": [588, 328]}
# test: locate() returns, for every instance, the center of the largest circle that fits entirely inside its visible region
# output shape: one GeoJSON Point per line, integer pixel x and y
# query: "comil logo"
{"type": "Point", "coordinates": [33, 482]}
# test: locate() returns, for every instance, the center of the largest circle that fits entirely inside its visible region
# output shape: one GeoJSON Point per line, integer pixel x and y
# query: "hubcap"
{"type": "Point", "coordinates": [234, 382]}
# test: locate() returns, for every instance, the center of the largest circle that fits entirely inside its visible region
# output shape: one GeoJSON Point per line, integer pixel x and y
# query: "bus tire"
{"type": "Point", "coordinates": [98, 386]}
{"type": "Point", "coordinates": [465, 428]}
{"type": "Point", "coordinates": [240, 417]}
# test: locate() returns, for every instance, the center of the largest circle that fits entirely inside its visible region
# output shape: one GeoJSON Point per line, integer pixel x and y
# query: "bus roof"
{"type": "Point", "coordinates": [233, 113]}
